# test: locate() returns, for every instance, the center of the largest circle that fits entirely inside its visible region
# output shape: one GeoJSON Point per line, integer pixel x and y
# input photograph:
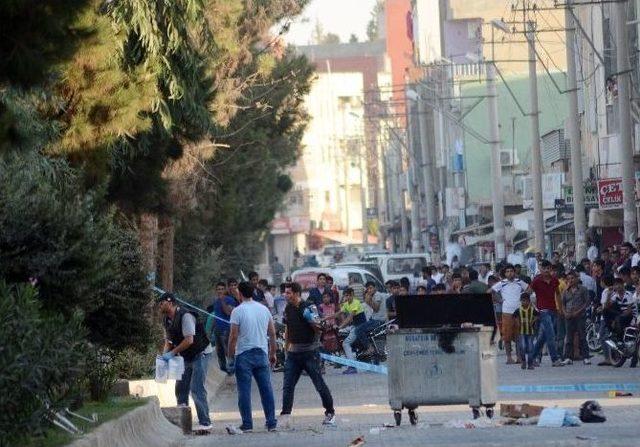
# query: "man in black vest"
{"type": "Point", "coordinates": [185, 336]}
{"type": "Point", "coordinates": [302, 342]}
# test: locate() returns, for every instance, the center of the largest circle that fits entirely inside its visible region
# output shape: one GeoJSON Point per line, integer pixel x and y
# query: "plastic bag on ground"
{"type": "Point", "coordinates": [162, 370]}
{"type": "Point", "coordinates": [552, 417]}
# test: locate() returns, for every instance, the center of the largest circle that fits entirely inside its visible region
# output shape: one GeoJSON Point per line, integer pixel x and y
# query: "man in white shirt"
{"type": "Point", "coordinates": [509, 289]}
{"type": "Point", "coordinates": [635, 259]}
{"type": "Point", "coordinates": [252, 351]}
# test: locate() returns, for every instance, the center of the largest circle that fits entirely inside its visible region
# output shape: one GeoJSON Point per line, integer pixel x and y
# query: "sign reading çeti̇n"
{"type": "Point", "coordinates": [610, 193]}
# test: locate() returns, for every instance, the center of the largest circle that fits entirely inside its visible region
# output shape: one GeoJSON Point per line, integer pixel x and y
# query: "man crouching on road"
{"type": "Point", "coordinates": [185, 336]}
{"type": "Point", "coordinates": [302, 342]}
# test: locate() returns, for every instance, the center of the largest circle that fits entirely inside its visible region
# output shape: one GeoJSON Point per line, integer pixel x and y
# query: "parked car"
{"type": "Point", "coordinates": [342, 277]}
{"type": "Point", "coordinates": [371, 267]}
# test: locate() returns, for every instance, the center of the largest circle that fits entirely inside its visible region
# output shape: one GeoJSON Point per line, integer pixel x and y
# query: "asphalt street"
{"type": "Point", "coordinates": [362, 410]}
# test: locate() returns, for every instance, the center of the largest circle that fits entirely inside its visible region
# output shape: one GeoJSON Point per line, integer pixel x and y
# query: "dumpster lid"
{"type": "Point", "coordinates": [437, 311]}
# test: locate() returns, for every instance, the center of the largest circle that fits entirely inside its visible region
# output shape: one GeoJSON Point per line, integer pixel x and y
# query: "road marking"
{"type": "Point", "coordinates": [569, 388]}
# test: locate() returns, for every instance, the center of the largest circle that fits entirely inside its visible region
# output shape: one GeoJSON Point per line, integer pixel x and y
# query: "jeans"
{"type": "Point", "coordinates": [206, 358]}
{"type": "Point", "coordinates": [546, 334]}
{"type": "Point", "coordinates": [295, 363]}
{"type": "Point", "coordinates": [222, 341]}
{"type": "Point", "coordinates": [525, 343]}
{"type": "Point", "coordinates": [561, 333]}
{"type": "Point", "coordinates": [193, 382]}
{"type": "Point", "coordinates": [346, 344]}
{"type": "Point", "coordinates": [576, 325]}
{"type": "Point", "coordinates": [255, 363]}
{"type": "Point", "coordinates": [363, 330]}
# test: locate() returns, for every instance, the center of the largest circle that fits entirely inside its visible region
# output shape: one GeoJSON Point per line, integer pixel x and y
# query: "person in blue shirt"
{"type": "Point", "coordinates": [315, 294]}
{"type": "Point", "coordinates": [222, 307]}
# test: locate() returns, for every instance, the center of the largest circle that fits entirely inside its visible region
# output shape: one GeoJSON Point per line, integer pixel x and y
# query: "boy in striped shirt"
{"type": "Point", "coordinates": [526, 316]}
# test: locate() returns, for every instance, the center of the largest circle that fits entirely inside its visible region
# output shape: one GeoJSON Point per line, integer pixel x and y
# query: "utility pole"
{"type": "Point", "coordinates": [624, 108]}
{"type": "Point", "coordinates": [577, 181]}
{"type": "Point", "coordinates": [345, 166]}
{"type": "Point", "coordinates": [363, 200]}
{"type": "Point", "coordinates": [536, 157]}
{"type": "Point", "coordinates": [497, 196]}
{"type": "Point", "coordinates": [412, 181]}
{"type": "Point", "coordinates": [404, 231]}
{"type": "Point", "coordinates": [427, 161]}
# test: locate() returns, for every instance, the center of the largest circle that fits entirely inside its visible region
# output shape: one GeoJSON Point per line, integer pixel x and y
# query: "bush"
{"type": "Point", "coordinates": [67, 239]}
{"type": "Point", "coordinates": [42, 359]}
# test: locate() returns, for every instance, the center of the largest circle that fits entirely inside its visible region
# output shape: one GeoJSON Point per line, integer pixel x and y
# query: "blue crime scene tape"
{"type": "Point", "coordinates": [160, 291]}
{"type": "Point", "coordinates": [569, 388]}
{"type": "Point", "coordinates": [362, 366]}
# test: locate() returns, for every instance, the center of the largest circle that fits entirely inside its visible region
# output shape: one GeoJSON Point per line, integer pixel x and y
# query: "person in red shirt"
{"type": "Point", "coordinates": [545, 286]}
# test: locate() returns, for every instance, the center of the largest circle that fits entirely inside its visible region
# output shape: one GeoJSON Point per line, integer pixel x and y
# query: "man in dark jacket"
{"type": "Point", "coordinates": [185, 336]}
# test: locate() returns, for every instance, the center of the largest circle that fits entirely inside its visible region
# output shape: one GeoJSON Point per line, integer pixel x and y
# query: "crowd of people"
{"type": "Point", "coordinates": [544, 304]}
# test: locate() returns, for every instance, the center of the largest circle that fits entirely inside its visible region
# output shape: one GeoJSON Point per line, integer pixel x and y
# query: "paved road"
{"type": "Point", "coordinates": [362, 410]}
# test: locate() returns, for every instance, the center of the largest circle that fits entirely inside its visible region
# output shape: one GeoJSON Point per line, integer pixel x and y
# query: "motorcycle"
{"type": "Point", "coordinates": [280, 351]}
{"type": "Point", "coordinates": [626, 348]}
{"type": "Point", "coordinates": [593, 325]}
{"type": "Point", "coordinates": [377, 339]}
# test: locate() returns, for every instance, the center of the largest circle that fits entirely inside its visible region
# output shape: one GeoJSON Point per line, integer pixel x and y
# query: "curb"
{"type": "Point", "coordinates": [165, 392]}
{"type": "Point", "coordinates": [143, 426]}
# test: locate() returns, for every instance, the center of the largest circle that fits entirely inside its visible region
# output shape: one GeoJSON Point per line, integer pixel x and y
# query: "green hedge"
{"type": "Point", "coordinates": [42, 359]}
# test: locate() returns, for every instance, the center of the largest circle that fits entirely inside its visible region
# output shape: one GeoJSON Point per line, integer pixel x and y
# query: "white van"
{"type": "Point", "coordinates": [397, 266]}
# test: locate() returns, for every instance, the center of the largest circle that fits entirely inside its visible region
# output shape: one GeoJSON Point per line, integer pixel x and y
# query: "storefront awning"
{"type": "Point", "coordinates": [521, 221]}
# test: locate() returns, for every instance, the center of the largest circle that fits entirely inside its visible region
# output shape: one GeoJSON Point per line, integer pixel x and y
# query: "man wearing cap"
{"type": "Point", "coordinates": [185, 336]}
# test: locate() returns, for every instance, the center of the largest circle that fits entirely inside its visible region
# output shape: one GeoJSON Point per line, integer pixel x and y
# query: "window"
{"type": "Point", "coordinates": [407, 266]}
{"type": "Point", "coordinates": [355, 278]}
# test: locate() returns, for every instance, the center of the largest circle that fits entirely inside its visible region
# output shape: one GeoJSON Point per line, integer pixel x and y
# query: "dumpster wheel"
{"type": "Point", "coordinates": [476, 412]}
{"type": "Point", "coordinates": [413, 417]}
{"type": "Point", "coordinates": [490, 411]}
{"type": "Point", "coordinates": [397, 415]}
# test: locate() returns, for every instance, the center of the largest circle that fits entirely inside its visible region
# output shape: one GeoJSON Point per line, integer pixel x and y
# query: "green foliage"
{"type": "Point", "coordinates": [41, 360]}
{"type": "Point", "coordinates": [36, 35]}
{"type": "Point", "coordinates": [82, 259]}
{"type": "Point", "coordinates": [251, 177]}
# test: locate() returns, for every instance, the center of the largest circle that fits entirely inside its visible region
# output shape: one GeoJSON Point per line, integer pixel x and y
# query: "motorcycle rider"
{"type": "Point", "coordinates": [619, 308]}
{"type": "Point", "coordinates": [376, 301]}
{"type": "Point", "coordinates": [353, 314]}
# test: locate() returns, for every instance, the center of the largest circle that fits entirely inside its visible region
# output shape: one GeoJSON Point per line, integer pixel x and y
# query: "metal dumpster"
{"type": "Point", "coordinates": [441, 366]}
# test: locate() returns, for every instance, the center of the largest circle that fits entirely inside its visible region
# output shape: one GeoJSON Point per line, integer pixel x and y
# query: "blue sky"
{"type": "Point", "coordinates": [342, 17]}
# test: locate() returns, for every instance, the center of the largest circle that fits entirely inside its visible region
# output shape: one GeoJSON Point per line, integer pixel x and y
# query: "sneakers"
{"type": "Point", "coordinates": [557, 363]}
{"type": "Point", "coordinates": [523, 365]}
{"type": "Point", "coordinates": [200, 427]}
{"type": "Point", "coordinates": [329, 419]}
{"type": "Point", "coordinates": [586, 362]}
{"type": "Point", "coordinates": [233, 430]}
{"type": "Point", "coordinates": [566, 362]}
{"type": "Point", "coordinates": [530, 367]}
{"type": "Point", "coordinates": [272, 429]}
{"type": "Point", "coordinates": [285, 422]}
{"type": "Point", "coordinates": [350, 370]}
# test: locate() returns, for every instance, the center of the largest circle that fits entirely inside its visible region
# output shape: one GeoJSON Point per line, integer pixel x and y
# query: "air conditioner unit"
{"type": "Point", "coordinates": [506, 158]}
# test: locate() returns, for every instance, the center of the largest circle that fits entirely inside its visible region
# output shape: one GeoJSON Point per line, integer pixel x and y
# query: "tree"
{"type": "Point", "coordinates": [353, 38]}
{"type": "Point", "coordinates": [246, 184]}
{"type": "Point", "coordinates": [373, 31]}
{"type": "Point", "coordinates": [72, 245]}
